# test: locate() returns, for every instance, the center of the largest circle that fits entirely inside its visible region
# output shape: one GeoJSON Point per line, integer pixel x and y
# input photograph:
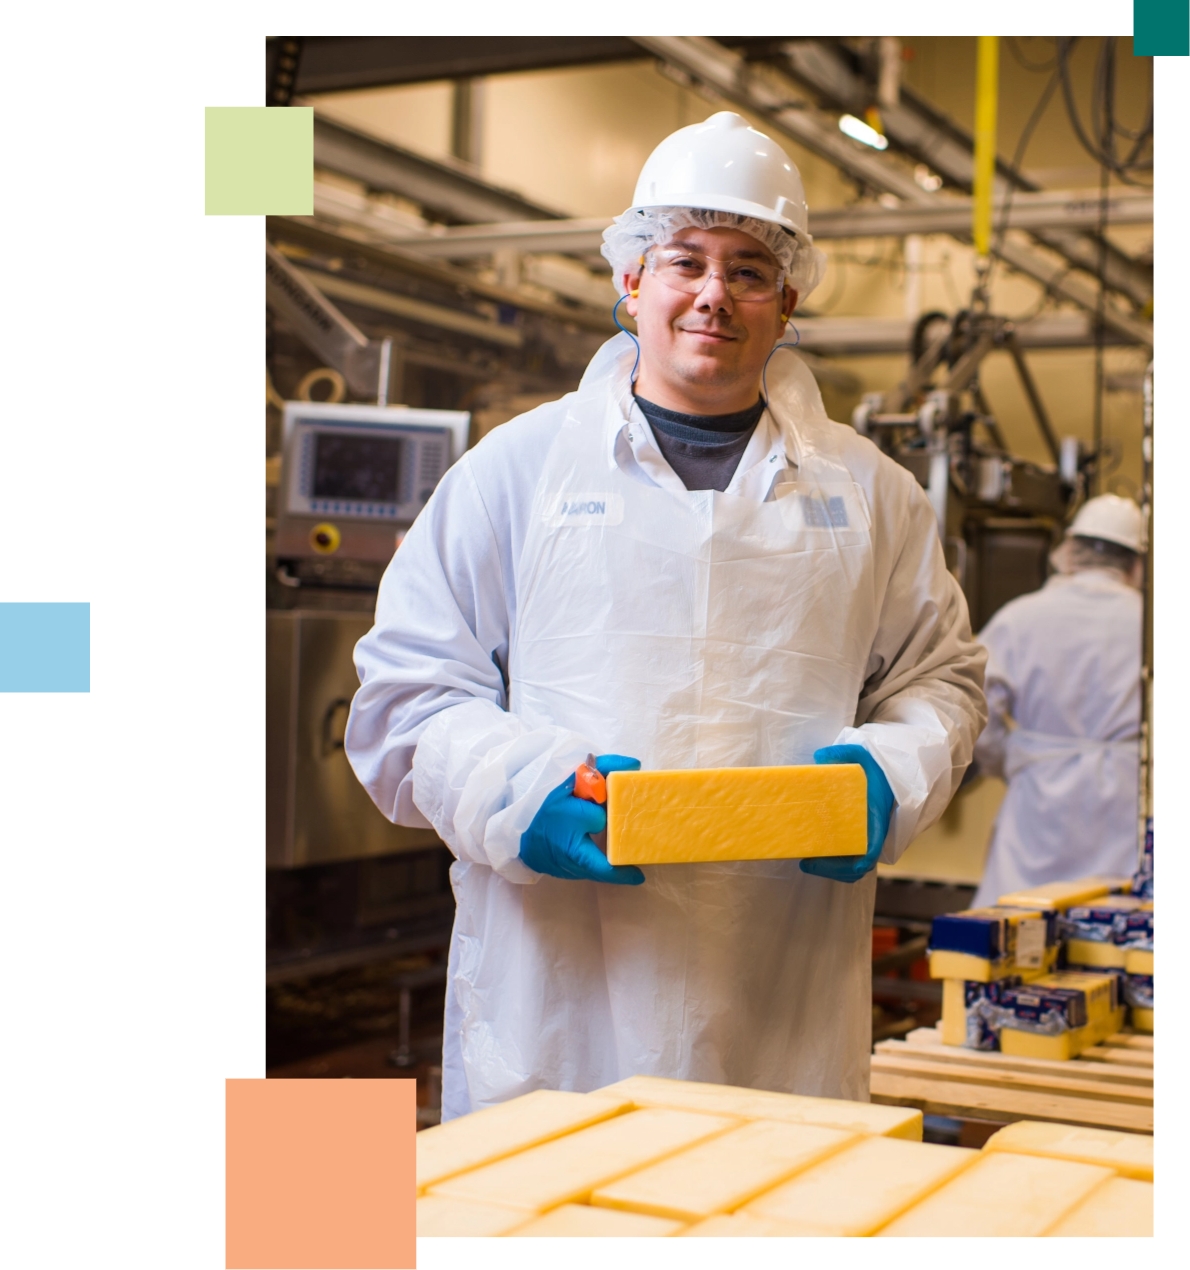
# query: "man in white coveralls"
{"type": "Point", "coordinates": [684, 564]}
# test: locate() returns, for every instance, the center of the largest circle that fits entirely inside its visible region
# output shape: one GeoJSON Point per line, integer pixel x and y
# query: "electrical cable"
{"type": "Point", "coordinates": [1017, 159]}
{"type": "Point", "coordinates": [1102, 101]}
{"type": "Point", "coordinates": [1023, 61]}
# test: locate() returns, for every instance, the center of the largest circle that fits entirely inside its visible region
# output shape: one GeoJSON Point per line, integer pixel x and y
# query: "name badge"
{"type": "Point", "coordinates": [583, 510]}
{"type": "Point", "coordinates": [834, 511]}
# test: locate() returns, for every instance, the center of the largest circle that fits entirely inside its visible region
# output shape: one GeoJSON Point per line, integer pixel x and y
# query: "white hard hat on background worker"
{"type": "Point", "coordinates": [1063, 688]}
{"type": "Point", "coordinates": [1110, 518]}
{"type": "Point", "coordinates": [746, 584]}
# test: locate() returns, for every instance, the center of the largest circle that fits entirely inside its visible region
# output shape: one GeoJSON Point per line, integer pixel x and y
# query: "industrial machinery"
{"type": "Point", "coordinates": [353, 479]}
{"type": "Point", "coordinates": [998, 516]}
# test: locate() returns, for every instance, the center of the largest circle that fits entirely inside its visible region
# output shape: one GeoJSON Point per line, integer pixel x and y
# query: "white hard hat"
{"type": "Point", "coordinates": [724, 165]}
{"type": "Point", "coordinates": [1112, 518]}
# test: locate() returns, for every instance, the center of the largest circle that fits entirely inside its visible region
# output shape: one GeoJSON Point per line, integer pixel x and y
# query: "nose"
{"type": "Point", "coordinates": [714, 296]}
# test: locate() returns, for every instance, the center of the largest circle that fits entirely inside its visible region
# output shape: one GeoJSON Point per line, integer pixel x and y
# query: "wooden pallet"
{"type": "Point", "coordinates": [1108, 1086]}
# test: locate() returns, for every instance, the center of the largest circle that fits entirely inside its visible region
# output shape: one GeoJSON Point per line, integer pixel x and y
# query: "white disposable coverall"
{"type": "Point", "coordinates": [563, 593]}
{"type": "Point", "coordinates": [1064, 667]}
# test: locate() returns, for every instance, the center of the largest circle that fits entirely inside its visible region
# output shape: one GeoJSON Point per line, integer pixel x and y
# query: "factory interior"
{"type": "Point", "coordinates": [451, 267]}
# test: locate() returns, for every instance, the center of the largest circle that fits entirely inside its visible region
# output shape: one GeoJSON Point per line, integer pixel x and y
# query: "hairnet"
{"type": "Point", "coordinates": [629, 236]}
{"type": "Point", "coordinates": [1077, 553]}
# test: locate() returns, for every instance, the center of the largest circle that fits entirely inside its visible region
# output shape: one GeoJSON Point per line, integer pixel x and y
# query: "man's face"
{"type": "Point", "coordinates": [706, 348]}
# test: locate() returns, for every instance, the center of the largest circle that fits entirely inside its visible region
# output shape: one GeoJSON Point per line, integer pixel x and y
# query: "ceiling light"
{"type": "Point", "coordinates": [859, 131]}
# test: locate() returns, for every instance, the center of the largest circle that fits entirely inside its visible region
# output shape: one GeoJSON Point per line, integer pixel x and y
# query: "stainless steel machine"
{"type": "Point", "coordinates": [316, 809]}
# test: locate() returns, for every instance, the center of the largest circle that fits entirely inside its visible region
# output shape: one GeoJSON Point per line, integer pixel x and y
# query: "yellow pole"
{"type": "Point", "coordinates": [987, 72]}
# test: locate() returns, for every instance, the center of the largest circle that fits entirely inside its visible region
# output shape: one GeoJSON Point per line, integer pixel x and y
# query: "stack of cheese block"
{"type": "Point", "coordinates": [1000, 988]}
{"type": "Point", "coordinates": [649, 1156]}
{"type": "Point", "coordinates": [1115, 933]}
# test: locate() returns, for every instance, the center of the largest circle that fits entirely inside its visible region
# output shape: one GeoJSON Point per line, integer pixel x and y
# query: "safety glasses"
{"type": "Point", "coordinates": [750, 281]}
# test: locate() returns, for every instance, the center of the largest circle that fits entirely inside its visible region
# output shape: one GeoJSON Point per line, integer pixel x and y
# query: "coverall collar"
{"type": "Point", "coordinates": [633, 448]}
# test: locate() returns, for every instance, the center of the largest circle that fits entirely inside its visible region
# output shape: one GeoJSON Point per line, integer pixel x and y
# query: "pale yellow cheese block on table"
{"type": "Point", "coordinates": [488, 1135]}
{"type": "Point", "coordinates": [737, 813]}
{"type": "Point", "coordinates": [738, 1226]}
{"type": "Point", "coordinates": [1059, 895]}
{"type": "Point", "coordinates": [568, 1169]}
{"type": "Point", "coordinates": [763, 1104]}
{"type": "Point", "coordinates": [724, 1173]}
{"type": "Point", "coordinates": [1129, 1154]}
{"type": "Point", "coordinates": [1141, 1019]}
{"type": "Point", "coordinates": [862, 1188]}
{"type": "Point", "coordinates": [1120, 1207]}
{"type": "Point", "coordinates": [579, 1221]}
{"type": "Point", "coordinates": [440, 1217]}
{"type": "Point", "coordinates": [1001, 1194]}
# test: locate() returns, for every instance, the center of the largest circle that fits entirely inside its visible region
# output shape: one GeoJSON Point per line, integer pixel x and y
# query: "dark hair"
{"type": "Point", "coordinates": [1100, 552]}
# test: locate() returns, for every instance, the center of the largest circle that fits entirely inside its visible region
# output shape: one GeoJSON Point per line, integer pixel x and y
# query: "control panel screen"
{"type": "Point", "coordinates": [367, 469]}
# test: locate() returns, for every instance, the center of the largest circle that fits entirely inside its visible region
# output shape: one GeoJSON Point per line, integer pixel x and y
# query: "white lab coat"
{"type": "Point", "coordinates": [563, 593]}
{"type": "Point", "coordinates": [1063, 686]}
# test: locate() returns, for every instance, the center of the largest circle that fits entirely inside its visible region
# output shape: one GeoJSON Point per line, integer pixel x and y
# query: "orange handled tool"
{"type": "Point", "coordinates": [591, 786]}
{"type": "Point", "coordinates": [589, 782]}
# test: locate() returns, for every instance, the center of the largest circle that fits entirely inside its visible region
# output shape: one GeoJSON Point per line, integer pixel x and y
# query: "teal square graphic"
{"type": "Point", "coordinates": [45, 647]}
{"type": "Point", "coordinates": [1161, 28]}
{"type": "Point", "coordinates": [260, 161]}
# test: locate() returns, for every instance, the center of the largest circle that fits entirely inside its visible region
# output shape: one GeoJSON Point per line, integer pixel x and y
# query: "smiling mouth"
{"type": "Point", "coordinates": [710, 335]}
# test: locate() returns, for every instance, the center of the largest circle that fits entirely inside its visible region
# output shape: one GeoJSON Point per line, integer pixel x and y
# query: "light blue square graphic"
{"type": "Point", "coordinates": [45, 647]}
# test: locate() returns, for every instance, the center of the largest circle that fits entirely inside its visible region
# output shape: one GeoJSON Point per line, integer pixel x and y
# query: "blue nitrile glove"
{"type": "Point", "coordinates": [559, 842]}
{"type": "Point", "coordinates": [850, 868]}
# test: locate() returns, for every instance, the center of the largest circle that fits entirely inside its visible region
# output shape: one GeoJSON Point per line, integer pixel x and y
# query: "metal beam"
{"type": "Point", "coordinates": [303, 231]}
{"type": "Point", "coordinates": [447, 190]}
{"type": "Point", "coordinates": [768, 93]}
{"type": "Point", "coordinates": [863, 336]}
{"type": "Point", "coordinates": [863, 220]}
{"type": "Point", "coordinates": [365, 364]}
{"type": "Point", "coordinates": [333, 63]}
{"type": "Point", "coordinates": [947, 149]}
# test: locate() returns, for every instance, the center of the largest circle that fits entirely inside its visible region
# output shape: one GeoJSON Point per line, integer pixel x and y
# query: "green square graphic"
{"type": "Point", "coordinates": [260, 161]}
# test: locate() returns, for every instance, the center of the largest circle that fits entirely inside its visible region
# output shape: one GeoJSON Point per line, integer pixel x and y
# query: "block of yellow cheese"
{"type": "Point", "coordinates": [1059, 895]}
{"type": "Point", "coordinates": [862, 1188]}
{"type": "Point", "coordinates": [1141, 1018]}
{"type": "Point", "coordinates": [737, 813]}
{"type": "Point", "coordinates": [945, 964]}
{"type": "Point", "coordinates": [1060, 1047]}
{"type": "Point", "coordinates": [1001, 1194]}
{"type": "Point", "coordinates": [724, 1173]}
{"type": "Point", "coordinates": [764, 1104]}
{"type": "Point", "coordinates": [438, 1216]}
{"type": "Point", "coordinates": [579, 1221]}
{"type": "Point", "coordinates": [487, 1135]}
{"type": "Point", "coordinates": [1121, 1206]}
{"type": "Point", "coordinates": [1092, 952]}
{"type": "Point", "coordinates": [1138, 961]}
{"type": "Point", "coordinates": [737, 1226]}
{"type": "Point", "coordinates": [568, 1169]}
{"type": "Point", "coordinates": [1129, 1154]}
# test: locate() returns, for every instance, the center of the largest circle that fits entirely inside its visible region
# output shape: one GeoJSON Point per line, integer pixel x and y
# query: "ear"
{"type": "Point", "coordinates": [788, 304]}
{"type": "Point", "coordinates": [630, 286]}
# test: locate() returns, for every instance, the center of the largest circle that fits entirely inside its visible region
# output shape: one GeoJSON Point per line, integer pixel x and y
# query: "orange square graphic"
{"type": "Point", "coordinates": [321, 1174]}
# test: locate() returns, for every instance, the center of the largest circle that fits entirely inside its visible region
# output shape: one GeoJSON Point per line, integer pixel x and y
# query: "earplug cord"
{"type": "Point", "coordinates": [764, 380]}
{"type": "Point", "coordinates": [616, 320]}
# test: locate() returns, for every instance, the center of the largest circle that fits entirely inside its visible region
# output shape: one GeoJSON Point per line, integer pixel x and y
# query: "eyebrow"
{"type": "Point", "coordinates": [682, 244]}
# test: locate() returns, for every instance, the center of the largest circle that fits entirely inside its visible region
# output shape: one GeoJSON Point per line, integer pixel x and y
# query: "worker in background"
{"type": "Point", "coordinates": [683, 564]}
{"type": "Point", "coordinates": [1063, 688]}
